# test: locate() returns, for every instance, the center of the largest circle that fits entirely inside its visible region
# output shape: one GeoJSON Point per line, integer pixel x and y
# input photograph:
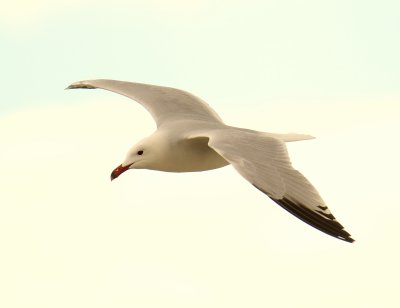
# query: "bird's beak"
{"type": "Point", "coordinates": [118, 171]}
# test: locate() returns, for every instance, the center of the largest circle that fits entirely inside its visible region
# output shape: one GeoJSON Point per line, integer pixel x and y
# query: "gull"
{"type": "Point", "coordinates": [191, 137]}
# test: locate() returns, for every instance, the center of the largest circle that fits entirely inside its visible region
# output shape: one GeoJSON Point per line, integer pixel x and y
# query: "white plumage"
{"type": "Point", "coordinates": [190, 136]}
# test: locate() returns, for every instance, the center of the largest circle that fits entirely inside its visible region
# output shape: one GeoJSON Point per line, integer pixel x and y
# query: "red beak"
{"type": "Point", "coordinates": [118, 171]}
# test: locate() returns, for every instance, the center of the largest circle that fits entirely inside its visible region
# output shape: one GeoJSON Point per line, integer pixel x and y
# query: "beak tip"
{"type": "Point", "coordinates": [118, 171]}
{"type": "Point", "coordinates": [113, 175]}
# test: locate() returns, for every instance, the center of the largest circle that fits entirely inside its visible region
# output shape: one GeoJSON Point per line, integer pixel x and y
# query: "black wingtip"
{"type": "Point", "coordinates": [327, 225]}
{"type": "Point", "coordinates": [350, 240]}
{"type": "Point", "coordinates": [79, 85]}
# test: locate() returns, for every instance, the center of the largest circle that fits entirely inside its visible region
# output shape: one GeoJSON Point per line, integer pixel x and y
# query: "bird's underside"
{"type": "Point", "coordinates": [261, 158]}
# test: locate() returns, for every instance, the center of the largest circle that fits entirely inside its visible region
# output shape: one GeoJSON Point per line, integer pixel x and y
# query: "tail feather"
{"type": "Point", "coordinates": [292, 137]}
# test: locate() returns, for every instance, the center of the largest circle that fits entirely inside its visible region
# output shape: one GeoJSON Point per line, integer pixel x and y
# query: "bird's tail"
{"type": "Point", "coordinates": [292, 137]}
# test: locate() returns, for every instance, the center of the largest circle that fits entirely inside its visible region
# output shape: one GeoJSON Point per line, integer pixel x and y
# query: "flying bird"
{"type": "Point", "coordinates": [190, 137]}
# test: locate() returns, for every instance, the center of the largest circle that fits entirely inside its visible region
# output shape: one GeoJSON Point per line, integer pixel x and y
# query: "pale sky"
{"type": "Point", "coordinates": [71, 238]}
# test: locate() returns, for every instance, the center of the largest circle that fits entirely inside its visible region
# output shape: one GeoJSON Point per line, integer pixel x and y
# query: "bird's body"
{"type": "Point", "coordinates": [191, 137]}
{"type": "Point", "coordinates": [179, 154]}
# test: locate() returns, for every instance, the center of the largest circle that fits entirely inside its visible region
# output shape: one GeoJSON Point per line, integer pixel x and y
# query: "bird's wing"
{"type": "Point", "coordinates": [264, 162]}
{"type": "Point", "coordinates": [163, 103]}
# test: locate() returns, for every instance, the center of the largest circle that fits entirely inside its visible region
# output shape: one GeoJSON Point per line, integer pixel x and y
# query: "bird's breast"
{"type": "Point", "coordinates": [193, 155]}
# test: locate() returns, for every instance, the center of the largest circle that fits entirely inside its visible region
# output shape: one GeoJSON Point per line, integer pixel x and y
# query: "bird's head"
{"type": "Point", "coordinates": [146, 154]}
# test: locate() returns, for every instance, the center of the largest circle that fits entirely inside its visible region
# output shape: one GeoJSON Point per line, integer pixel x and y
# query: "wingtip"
{"type": "Point", "coordinates": [347, 239]}
{"type": "Point", "coordinates": [345, 236]}
{"type": "Point", "coordinates": [80, 85]}
{"type": "Point", "coordinates": [328, 226]}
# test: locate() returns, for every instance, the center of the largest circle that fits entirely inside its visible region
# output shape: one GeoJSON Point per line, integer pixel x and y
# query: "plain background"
{"type": "Point", "coordinates": [70, 238]}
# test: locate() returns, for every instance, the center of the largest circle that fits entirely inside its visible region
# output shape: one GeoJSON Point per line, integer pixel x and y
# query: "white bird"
{"type": "Point", "coordinates": [190, 136]}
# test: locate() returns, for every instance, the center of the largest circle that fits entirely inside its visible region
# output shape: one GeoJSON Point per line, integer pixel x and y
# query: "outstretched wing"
{"type": "Point", "coordinates": [163, 103]}
{"type": "Point", "coordinates": [264, 162]}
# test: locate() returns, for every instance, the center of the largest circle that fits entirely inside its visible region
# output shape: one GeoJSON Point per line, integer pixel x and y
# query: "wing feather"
{"type": "Point", "coordinates": [163, 103]}
{"type": "Point", "coordinates": [264, 161]}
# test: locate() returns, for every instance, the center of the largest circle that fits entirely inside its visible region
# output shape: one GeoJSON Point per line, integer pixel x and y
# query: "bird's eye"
{"type": "Point", "coordinates": [140, 152]}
